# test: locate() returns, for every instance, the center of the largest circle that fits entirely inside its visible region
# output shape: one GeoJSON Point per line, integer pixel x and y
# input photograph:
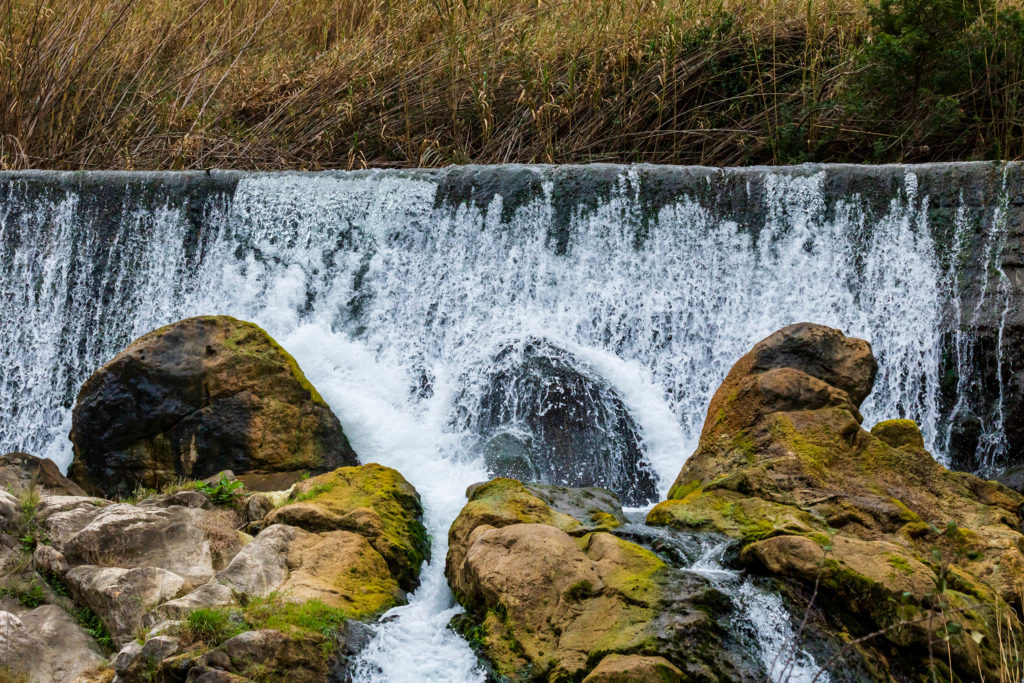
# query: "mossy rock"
{"type": "Point", "coordinates": [549, 595]}
{"type": "Point", "coordinates": [732, 514]}
{"type": "Point", "coordinates": [882, 530]}
{"type": "Point", "coordinates": [899, 434]}
{"type": "Point", "coordinates": [342, 570]}
{"type": "Point", "coordinates": [371, 500]}
{"type": "Point", "coordinates": [197, 397]}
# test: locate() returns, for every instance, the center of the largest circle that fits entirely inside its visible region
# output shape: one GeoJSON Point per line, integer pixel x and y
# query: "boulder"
{"type": "Point", "coordinates": [264, 654]}
{"type": "Point", "coordinates": [10, 510]}
{"type": "Point", "coordinates": [548, 595]}
{"type": "Point", "coordinates": [502, 502]}
{"type": "Point", "coordinates": [20, 471]}
{"type": "Point", "coordinates": [122, 597]}
{"type": "Point", "coordinates": [885, 532]}
{"type": "Point", "coordinates": [62, 517]}
{"type": "Point", "coordinates": [543, 415]}
{"type": "Point", "coordinates": [196, 397]}
{"type": "Point", "coordinates": [178, 539]}
{"type": "Point", "coordinates": [46, 645]}
{"type": "Point", "coordinates": [339, 568]}
{"type": "Point", "coordinates": [635, 669]}
{"type": "Point", "coordinates": [371, 500]}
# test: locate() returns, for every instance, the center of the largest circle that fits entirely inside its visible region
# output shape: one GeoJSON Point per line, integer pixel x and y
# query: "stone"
{"type": "Point", "coordinates": [297, 657]}
{"type": "Point", "coordinates": [160, 647]}
{"type": "Point", "coordinates": [784, 466]}
{"type": "Point", "coordinates": [258, 569]}
{"type": "Point", "coordinates": [10, 511]}
{"type": "Point", "coordinates": [20, 471]}
{"type": "Point", "coordinates": [177, 539]}
{"type": "Point", "coordinates": [127, 656]}
{"type": "Point", "coordinates": [340, 569]}
{"type": "Point", "coordinates": [821, 352]}
{"type": "Point", "coordinates": [635, 669]}
{"type": "Point", "coordinates": [196, 397]}
{"type": "Point", "coordinates": [372, 500]}
{"type": "Point", "coordinates": [122, 597]}
{"type": "Point", "coordinates": [899, 434]}
{"type": "Point", "coordinates": [187, 499]}
{"type": "Point", "coordinates": [548, 595]}
{"type": "Point", "coordinates": [47, 559]}
{"type": "Point", "coordinates": [47, 645]}
{"type": "Point", "coordinates": [64, 516]}
{"type": "Point", "coordinates": [543, 413]}
{"type": "Point", "coordinates": [259, 506]}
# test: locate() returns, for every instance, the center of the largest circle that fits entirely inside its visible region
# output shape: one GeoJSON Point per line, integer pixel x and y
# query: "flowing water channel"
{"type": "Point", "coordinates": [394, 298]}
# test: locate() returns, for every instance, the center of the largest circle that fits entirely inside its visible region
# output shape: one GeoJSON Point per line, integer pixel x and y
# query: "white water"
{"type": "Point", "coordinates": [371, 286]}
{"type": "Point", "coordinates": [764, 619]}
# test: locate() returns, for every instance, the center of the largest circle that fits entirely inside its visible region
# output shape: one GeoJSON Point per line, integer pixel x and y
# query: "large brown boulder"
{"type": "Point", "coordinates": [548, 595]}
{"type": "Point", "coordinates": [197, 397]}
{"type": "Point", "coordinates": [894, 541]}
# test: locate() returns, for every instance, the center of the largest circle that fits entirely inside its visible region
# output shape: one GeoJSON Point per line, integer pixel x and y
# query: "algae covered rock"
{"type": "Point", "coordinates": [371, 500]}
{"type": "Point", "coordinates": [894, 541]}
{"type": "Point", "coordinates": [197, 397]}
{"type": "Point", "coordinates": [634, 669]}
{"type": "Point", "coordinates": [548, 594]}
{"type": "Point", "coordinates": [352, 539]}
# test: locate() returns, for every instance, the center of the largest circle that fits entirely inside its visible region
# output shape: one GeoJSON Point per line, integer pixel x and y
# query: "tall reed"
{"type": "Point", "coordinates": [349, 83]}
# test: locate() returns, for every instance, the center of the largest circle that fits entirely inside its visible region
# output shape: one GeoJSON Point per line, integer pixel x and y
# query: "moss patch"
{"type": "Point", "coordinates": [401, 537]}
{"type": "Point", "coordinates": [732, 514]}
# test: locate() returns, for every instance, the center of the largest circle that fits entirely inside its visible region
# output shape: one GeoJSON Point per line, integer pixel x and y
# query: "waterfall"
{"type": "Point", "coordinates": [394, 290]}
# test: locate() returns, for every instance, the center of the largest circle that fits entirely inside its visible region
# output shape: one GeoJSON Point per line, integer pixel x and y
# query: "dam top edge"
{"type": "Point", "coordinates": [230, 176]}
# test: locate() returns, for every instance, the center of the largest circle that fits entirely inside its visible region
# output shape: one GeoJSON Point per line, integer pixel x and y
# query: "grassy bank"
{"type": "Point", "coordinates": [315, 84]}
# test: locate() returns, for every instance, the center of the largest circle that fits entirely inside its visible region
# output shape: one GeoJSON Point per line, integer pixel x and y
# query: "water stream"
{"type": "Point", "coordinates": [380, 289]}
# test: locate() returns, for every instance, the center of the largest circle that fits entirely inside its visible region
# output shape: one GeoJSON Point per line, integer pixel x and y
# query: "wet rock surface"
{"type": "Point", "coordinates": [545, 416]}
{"type": "Point", "coordinates": [196, 397]}
{"type": "Point", "coordinates": [894, 541]}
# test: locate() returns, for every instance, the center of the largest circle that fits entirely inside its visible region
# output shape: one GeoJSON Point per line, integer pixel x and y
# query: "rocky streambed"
{"type": "Point", "coordinates": [217, 525]}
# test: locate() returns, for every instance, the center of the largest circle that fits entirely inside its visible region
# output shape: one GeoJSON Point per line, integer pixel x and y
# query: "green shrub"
{"type": "Point", "coordinates": [215, 625]}
{"type": "Point", "coordinates": [94, 626]}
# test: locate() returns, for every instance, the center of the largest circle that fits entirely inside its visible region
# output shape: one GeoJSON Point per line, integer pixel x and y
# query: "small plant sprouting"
{"type": "Point", "coordinates": [224, 492]}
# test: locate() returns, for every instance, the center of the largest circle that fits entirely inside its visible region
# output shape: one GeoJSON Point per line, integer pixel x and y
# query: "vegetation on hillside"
{"type": "Point", "coordinates": [316, 84]}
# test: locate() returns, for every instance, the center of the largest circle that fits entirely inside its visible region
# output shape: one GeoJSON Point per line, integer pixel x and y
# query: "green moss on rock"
{"type": "Point", "coordinates": [371, 500]}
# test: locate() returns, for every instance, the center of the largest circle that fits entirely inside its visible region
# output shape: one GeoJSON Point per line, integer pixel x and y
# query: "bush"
{"type": "Point", "coordinates": [30, 594]}
{"type": "Point", "coordinates": [945, 74]}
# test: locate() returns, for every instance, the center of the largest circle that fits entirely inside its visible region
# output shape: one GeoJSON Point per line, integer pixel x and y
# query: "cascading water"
{"type": "Point", "coordinates": [394, 299]}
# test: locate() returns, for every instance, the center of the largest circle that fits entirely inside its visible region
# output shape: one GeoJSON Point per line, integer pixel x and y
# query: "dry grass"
{"type": "Point", "coordinates": [316, 84]}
